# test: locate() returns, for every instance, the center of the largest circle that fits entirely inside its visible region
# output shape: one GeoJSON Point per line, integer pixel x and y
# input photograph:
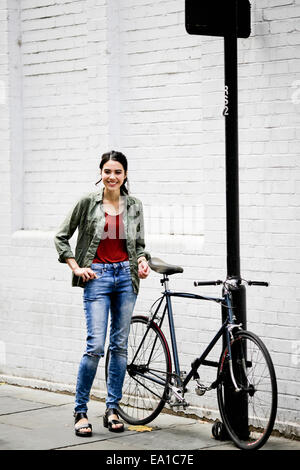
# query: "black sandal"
{"type": "Point", "coordinates": [109, 424]}
{"type": "Point", "coordinates": [78, 417]}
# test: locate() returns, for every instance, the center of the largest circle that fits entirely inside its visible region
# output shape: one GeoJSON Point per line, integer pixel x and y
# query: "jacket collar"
{"type": "Point", "coordinates": [99, 198]}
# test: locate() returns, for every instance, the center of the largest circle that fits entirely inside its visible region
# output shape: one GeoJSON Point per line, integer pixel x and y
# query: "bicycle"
{"type": "Point", "coordinates": [244, 370]}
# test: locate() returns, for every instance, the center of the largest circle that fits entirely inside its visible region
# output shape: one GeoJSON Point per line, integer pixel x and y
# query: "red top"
{"type": "Point", "coordinates": [112, 247]}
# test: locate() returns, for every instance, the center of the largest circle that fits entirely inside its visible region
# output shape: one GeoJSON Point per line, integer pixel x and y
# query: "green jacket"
{"type": "Point", "coordinates": [88, 216]}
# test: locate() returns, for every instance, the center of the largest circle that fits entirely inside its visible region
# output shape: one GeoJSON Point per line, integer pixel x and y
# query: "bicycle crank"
{"type": "Point", "coordinates": [179, 399]}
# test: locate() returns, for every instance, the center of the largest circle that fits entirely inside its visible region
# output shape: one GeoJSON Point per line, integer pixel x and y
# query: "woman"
{"type": "Point", "coordinates": [109, 260]}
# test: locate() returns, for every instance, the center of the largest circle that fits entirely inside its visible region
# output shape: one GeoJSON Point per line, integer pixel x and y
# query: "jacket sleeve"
{"type": "Point", "coordinates": [65, 232]}
{"type": "Point", "coordinates": [140, 239]}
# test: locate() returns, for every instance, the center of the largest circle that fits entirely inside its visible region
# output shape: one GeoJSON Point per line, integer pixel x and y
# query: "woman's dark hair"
{"type": "Point", "coordinates": [117, 157]}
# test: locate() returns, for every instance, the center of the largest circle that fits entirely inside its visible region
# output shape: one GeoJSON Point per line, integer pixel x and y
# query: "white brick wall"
{"type": "Point", "coordinates": [80, 77]}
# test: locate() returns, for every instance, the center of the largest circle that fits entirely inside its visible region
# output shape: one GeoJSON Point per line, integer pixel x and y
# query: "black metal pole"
{"type": "Point", "coordinates": [232, 153]}
{"type": "Point", "coordinates": [236, 405]}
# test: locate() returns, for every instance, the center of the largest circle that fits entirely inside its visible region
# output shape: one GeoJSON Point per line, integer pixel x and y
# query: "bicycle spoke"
{"type": "Point", "coordinates": [257, 383]}
{"type": "Point", "coordinates": [148, 362]}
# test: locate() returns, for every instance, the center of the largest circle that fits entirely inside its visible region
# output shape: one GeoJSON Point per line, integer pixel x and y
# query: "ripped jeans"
{"type": "Point", "coordinates": [111, 291]}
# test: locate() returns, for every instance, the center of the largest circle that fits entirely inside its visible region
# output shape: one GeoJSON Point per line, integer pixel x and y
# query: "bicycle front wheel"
{"type": "Point", "coordinates": [249, 413]}
{"type": "Point", "coordinates": [148, 372]}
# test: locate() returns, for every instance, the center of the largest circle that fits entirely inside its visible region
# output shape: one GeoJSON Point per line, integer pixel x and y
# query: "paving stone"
{"type": "Point", "coordinates": [41, 420]}
{"type": "Point", "coordinates": [12, 405]}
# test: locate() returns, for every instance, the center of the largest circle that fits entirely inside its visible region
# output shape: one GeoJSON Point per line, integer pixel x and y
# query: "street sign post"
{"type": "Point", "coordinates": [230, 19]}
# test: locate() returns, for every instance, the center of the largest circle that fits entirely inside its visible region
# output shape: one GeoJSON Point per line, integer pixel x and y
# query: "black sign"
{"type": "Point", "coordinates": [215, 17]}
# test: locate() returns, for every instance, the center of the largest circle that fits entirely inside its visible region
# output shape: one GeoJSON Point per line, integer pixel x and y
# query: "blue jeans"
{"type": "Point", "coordinates": [113, 291]}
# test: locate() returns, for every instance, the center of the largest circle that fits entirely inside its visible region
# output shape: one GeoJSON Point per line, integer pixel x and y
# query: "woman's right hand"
{"type": "Point", "coordinates": [85, 273]}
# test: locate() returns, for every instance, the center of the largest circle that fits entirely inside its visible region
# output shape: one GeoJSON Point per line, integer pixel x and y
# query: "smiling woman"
{"type": "Point", "coordinates": [113, 168]}
{"type": "Point", "coordinates": [110, 259]}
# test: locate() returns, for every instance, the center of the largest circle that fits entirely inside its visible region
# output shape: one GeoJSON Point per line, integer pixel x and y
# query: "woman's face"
{"type": "Point", "coordinates": [113, 175]}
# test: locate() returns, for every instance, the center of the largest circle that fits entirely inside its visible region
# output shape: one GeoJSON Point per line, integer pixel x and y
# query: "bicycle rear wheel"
{"type": "Point", "coordinates": [148, 372]}
{"type": "Point", "coordinates": [248, 414]}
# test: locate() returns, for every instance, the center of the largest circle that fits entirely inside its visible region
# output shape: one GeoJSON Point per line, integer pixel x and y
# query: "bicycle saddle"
{"type": "Point", "coordinates": [159, 266]}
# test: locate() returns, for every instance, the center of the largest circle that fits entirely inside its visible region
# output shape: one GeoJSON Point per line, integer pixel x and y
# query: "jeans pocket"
{"type": "Point", "coordinates": [94, 286]}
{"type": "Point", "coordinates": [99, 273]}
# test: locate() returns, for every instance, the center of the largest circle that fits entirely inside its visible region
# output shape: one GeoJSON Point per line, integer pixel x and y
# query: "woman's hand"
{"type": "Point", "coordinates": [143, 270]}
{"type": "Point", "coordinates": [85, 273]}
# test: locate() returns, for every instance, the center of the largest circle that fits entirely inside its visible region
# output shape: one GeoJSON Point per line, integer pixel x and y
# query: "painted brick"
{"type": "Point", "coordinates": [81, 77]}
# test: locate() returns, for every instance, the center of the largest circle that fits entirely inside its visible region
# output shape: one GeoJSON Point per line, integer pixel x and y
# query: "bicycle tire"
{"type": "Point", "coordinates": [142, 398]}
{"type": "Point", "coordinates": [250, 426]}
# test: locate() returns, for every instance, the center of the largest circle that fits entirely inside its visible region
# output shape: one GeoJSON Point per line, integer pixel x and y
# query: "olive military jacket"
{"type": "Point", "coordinates": [89, 218]}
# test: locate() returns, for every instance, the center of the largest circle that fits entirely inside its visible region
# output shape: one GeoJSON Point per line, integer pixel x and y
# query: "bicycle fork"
{"type": "Point", "coordinates": [229, 335]}
{"type": "Point", "coordinates": [229, 338]}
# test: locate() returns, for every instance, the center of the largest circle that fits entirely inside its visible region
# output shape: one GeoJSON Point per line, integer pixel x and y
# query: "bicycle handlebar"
{"type": "Point", "coordinates": [207, 283]}
{"type": "Point", "coordinates": [239, 281]}
{"type": "Point", "coordinates": [257, 283]}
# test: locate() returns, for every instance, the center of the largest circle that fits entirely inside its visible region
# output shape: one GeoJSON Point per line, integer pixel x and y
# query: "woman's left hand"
{"type": "Point", "coordinates": [144, 269]}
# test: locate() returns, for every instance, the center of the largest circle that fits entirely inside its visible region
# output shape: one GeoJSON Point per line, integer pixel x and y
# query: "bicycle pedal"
{"type": "Point", "coordinates": [200, 390]}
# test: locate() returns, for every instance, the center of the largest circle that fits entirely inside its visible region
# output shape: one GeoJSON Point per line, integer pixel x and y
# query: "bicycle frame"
{"type": "Point", "coordinates": [201, 360]}
{"type": "Point", "coordinates": [244, 366]}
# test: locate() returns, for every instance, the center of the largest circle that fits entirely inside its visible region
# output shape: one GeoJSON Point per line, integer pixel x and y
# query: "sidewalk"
{"type": "Point", "coordinates": [32, 419]}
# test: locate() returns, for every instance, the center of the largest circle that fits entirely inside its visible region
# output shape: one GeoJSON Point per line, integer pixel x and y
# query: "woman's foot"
{"type": "Point", "coordinates": [82, 426]}
{"type": "Point", "coordinates": [111, 421]}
